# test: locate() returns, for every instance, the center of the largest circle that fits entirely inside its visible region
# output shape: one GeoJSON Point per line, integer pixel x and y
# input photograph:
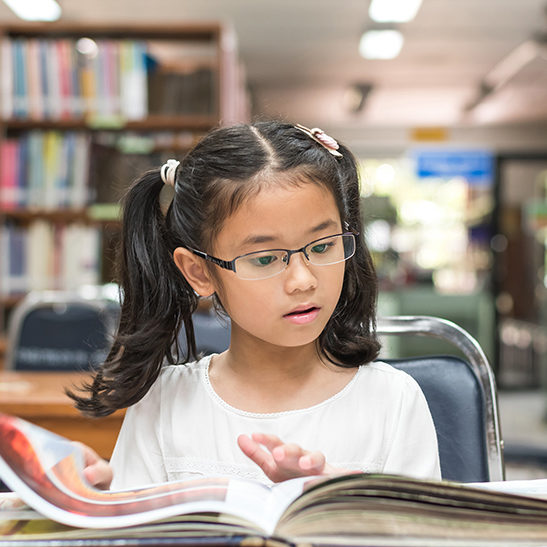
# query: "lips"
{"type": "Point", "coordinates": [302, 311]}
{"type": "Point", "coordinates": [303, 315]}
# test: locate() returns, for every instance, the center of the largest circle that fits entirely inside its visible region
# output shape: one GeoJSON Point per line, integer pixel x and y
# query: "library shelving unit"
{"type": "Point", "coordinates": [83, 110]}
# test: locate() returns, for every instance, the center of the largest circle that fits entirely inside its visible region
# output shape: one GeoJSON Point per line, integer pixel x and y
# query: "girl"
{"type": "Point", "coordinates": [265, 219]}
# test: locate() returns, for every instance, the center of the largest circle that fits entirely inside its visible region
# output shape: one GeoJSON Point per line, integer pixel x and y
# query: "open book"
{"type": "Point", "coordinates": [51, 500]}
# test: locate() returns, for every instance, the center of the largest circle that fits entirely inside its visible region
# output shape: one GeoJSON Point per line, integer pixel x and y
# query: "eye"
{"type": "Point", "coordinates": [262, 260]}
{"type": "Point", "coordinates": [321, 248]}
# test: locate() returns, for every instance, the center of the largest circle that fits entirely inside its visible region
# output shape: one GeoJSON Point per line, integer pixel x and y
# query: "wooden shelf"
{"type": "Point", "coordinates": [56, 215]}
{"type": "Point", "coordinates": [151, 123]}
{"type": "Point", "coordinates": [206, 31]}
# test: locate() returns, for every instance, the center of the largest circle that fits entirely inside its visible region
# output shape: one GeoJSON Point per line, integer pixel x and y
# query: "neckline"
{"type": "Point", "coordinates": [218, 399]}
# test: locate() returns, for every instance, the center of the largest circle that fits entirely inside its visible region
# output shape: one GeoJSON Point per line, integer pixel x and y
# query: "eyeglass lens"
{"type": "Point", "coordinates": [322, 252]}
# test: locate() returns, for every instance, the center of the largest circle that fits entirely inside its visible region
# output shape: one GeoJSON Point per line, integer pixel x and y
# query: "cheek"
{"type": "Point", "coordinates": [239, 296]}
{"type": "Point", "coordinates": [336, 279]}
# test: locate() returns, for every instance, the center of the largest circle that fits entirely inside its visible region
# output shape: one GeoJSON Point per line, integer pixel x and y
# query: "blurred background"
{"type": "Point", "coordinates": [443, 103]}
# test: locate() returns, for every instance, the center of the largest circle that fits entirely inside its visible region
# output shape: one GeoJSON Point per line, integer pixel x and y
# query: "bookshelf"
{"type": "Point", "coordinates": [83, 110]}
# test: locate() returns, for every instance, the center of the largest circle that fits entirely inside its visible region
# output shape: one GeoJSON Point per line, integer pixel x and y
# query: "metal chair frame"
{"type": "Point", "coordinates": [448, 331]}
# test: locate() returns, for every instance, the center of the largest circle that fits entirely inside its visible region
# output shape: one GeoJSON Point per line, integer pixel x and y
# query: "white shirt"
{"type": "Point", "coordinates": [379, 422]}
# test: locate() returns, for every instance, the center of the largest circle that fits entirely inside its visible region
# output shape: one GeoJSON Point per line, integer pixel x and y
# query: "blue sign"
{"type": "Point", "coordinates": [476, 166]}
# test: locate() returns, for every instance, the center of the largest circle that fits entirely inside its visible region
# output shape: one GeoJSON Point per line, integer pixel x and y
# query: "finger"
{"type": "Point", "coordinates": [288, 453]}
{"type": "Point", "coordinates": [269, 441]}
{"type": "Point", "coordinates": [256, 453]}
{"type": "Point", "coordinates": [313, 461]}
{"type": "Point", "coordinates": [99, 474]}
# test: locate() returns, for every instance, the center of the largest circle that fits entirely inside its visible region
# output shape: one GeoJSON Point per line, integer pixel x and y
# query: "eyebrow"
{"type": "Point", "coordinates": [255, 239]}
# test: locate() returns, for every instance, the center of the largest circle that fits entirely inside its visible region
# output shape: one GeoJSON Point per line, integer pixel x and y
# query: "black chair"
{"type": "Point", "coordinates": [212, 333]}
{"type": "Point", "coordinates": [59, 330]}
{"type": "Point", "coordinates": [461, 395]}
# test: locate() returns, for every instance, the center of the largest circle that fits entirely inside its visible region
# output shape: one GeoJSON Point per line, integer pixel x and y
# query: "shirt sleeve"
{"type": "Point", "coordinates": [414, 451]}
{"type": "Point", "coordinates": [137, 457]}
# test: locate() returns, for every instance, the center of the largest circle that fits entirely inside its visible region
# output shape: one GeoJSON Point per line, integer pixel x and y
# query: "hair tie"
{"type": "Point", "coordinates": [168, 170]}
{"type": "Point", "coordinates": [318, 135]}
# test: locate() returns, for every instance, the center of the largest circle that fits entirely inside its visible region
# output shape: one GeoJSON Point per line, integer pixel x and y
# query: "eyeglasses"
{"type": "Point", "coordinates": [263, 264]}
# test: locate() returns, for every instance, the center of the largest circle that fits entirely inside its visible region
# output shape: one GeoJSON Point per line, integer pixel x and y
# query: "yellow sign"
{"type": "Point", "coordinates": [429, 134]}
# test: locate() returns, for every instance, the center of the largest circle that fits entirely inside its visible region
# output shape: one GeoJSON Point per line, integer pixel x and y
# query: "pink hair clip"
{"type": "Point", "coordinates": [318, 135]}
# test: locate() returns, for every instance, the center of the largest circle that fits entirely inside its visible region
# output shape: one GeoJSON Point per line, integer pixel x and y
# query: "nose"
{"type": "Point", "coordinates": [299, 276]}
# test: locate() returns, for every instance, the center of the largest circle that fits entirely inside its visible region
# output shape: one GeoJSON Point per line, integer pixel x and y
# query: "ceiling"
{"type": "Point", "coordinates": [300, 56]}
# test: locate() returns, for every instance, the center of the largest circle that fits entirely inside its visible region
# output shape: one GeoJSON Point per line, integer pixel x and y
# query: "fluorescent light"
{"type": "Point", "coordinates": [393, 11]}
{"type": "Point", "coordinates": [380, 44]}
{"type": "Point", "coordinates": [505, 70]}
{"type": "Point", "coordinates": [512, 64]}
{"type": "Point", "coordinates": [35, 10]}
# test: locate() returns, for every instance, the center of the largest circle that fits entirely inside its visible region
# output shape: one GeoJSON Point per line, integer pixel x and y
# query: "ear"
{"type": "Point", "coordinates": [193, 268]}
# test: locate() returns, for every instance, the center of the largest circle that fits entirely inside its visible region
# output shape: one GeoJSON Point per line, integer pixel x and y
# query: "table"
{"type": "Point", "coordinates": [39, 398]}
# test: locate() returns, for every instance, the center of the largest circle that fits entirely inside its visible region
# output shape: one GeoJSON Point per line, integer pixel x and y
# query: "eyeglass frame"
{"type": "Point", "coordinates": [230, 264]}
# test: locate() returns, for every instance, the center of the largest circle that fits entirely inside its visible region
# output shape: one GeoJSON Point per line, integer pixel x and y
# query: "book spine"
{"type": "Point", "coordinates": [64, 153]}
{"type": "Point", "coordinates": [87, 82]}
{"type": "Point", "coordinates": [40, 251]}
{"type": "Point", "coordinates": [79, 171]}
{"type": "Point", "coordinates": [35, 96]}
{"type": "Point", "coordinates": [53, 80]}
{"type": "Point", "coordinates": [65, 78]}
{"type": "Point", "coordinates": [110, 69]}
{"type": "Point", "coordinates": [77, 99]}
{"type": "Point", "coordinates": [35, 177]}
{"type": "Point", "coordinates": [16, 250]}
{"type": "Point", "coordinates": [133, 80]}
{"type": "Point", "coordinates": [4, 263]}
{"type": "Point", "coordinates": [100, 78]}
{"type": "Point", "coordinates": [9, 151]}
{"type": "Point", "coordinates": [20, 98]}
{"type": "Point", "coordinates": [44, 78]}
{"type": "Point", "coordinates": [23, 162]}
{"type": "Point", "coordinates": [6, 82]}
{"type": "Point", "coordinates": [51, 165]}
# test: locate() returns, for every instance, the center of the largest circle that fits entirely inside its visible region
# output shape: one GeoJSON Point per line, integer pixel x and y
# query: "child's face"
{"type": "Point", "coordinates": [281, 218]}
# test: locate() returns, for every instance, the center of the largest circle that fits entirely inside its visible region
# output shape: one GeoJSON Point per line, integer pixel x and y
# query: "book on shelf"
{"type": "Point", "coordinates": [53, 501]}
{"type": "Point", "coordinates": [9, 174]}
{"type": "Point", "coordinates": [57, 176]}
{"type": "Point", "coordinates": [42, 255]}
{"type": "Point", "coordinates": [73, 78]}
{"type": "Point", "coordinates": [64, 78]}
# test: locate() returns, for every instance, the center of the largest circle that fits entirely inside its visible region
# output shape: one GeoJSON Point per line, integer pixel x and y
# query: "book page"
{"type": "Point", "coordinates": [532, 487]}
{"type": "Point", "coordinates": [46, 471]}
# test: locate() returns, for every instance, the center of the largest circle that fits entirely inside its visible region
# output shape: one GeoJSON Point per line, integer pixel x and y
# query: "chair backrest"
{"type": "Point", "coordinates": [461, 395]}
{"type": "Point", "coordinates": [212, 333]}
{"type": "Point", "coordinates": [57, 330]}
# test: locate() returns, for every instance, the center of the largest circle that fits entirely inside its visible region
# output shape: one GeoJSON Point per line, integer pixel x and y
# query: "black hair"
{"type": "Point", "coordinates": [228, 166]}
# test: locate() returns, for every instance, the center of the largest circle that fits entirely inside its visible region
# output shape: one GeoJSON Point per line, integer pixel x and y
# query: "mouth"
{"type": "Point", "coordinates": [303, 315]}
{"type": "Point", "coordinates": [302, 311]}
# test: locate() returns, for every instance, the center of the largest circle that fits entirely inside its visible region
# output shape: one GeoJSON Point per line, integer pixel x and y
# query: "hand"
{"type": "Point", "coordinates": [97, 471]}
{"type": "Point", "coordinates": [281, 461]}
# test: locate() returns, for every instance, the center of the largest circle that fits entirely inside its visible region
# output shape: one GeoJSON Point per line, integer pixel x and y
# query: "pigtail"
{"type": "Point", "coordinates": [156, 301]}
{"type": "Point", "coordinates": [349, 338]}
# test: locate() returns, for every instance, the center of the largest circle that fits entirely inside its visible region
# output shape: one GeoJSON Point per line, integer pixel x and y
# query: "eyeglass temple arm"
{"type": "Point", "coordinates": [222, 263]}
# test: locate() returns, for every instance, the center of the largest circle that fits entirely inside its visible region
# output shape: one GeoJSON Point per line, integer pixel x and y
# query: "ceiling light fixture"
{"type": "Point", "coordinates": [355, 97]}
{"type": "Point", "coordinates": [513, 63]}
{"type": "Point", "coordinates": [393, 11]}
{"type": "Point", "coordinates": [380, 44]}
{"type": "Point", "coordinates": [35, 10]}
{"type": "Point", "coordinates": [507, 68]}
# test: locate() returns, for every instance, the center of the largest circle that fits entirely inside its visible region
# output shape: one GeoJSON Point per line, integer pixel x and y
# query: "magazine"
{"type": "Point", "coordinates": [51, 499]}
